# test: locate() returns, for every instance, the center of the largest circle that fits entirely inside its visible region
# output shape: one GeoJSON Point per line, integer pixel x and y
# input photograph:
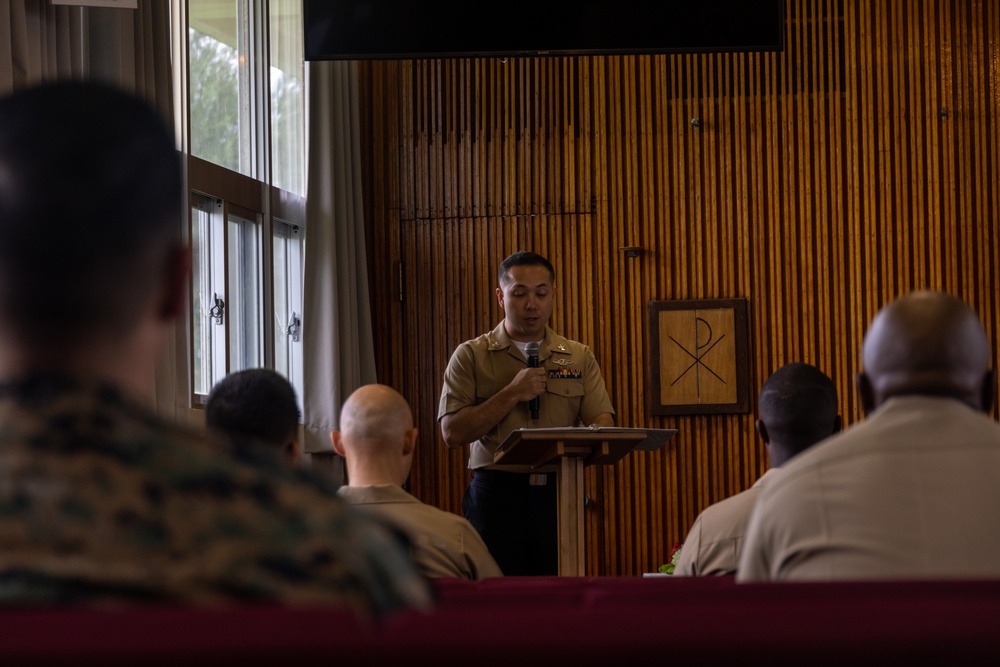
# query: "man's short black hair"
{"type": "Point", "coordinates": [524, 258]}
{"type": "Point", "coordinates": [798, 405]}
{"type": "Point", "coordinates": [90, 206]}
{"type": "Point", "coordinates": [257, 403]}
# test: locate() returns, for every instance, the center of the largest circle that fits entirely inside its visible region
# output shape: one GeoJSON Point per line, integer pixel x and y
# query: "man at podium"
{"type": "Point", "coordinates": [519, 375]}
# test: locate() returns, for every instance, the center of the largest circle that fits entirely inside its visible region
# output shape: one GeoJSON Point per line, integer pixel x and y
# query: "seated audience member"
{"type": "Point", "coordinates": [256, 405]}
{"type": "Point", "coordinates": [798, 408]}
{"type": "Point", "coordinates": [377, 439]}
{"type": "Point", "coordinates": [910, 491]}
{"type": "Point", "coordinates": [101, 501]}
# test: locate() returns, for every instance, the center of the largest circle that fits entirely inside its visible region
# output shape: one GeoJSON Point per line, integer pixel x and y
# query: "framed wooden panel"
{"type": "Point", "coordinates": [698, 357]}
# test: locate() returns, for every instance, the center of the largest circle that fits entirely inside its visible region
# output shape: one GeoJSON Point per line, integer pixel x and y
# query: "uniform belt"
{"type": "Point", "coordinates": [515, 478]}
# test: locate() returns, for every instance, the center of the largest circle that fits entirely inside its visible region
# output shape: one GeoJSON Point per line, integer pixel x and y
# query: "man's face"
{"type": "Point", "coordinates": [526, 299]}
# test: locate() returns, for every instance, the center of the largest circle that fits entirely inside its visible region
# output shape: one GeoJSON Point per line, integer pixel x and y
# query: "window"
{"type": "Point", "coordinates": [287, 96]}
{"type": "Point", "coordinates": [232, 123]}
{"type": "Point", "coordinates": [289, 252]}
{"type": "Point", "coordinates": [220, 64]}
{"type": "Point", "coordinates": [246, 302]}
{"type": "Point", "coordinates": [246, 170]}
{"type": "Point", "coordinates": [226, 292]}
{"type": "Point", "coordinates": [208, 294]}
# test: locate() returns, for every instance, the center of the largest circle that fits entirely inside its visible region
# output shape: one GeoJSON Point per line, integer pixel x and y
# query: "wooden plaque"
{"type": "Point", "coordinates": [698, 357]}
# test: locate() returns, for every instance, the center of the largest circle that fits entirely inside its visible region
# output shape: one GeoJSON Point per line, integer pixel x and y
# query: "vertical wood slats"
{"type": "Point", "coordinates": [820, 183]}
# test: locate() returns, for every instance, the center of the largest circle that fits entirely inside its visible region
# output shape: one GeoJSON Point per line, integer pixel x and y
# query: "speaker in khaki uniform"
{"type": "Point", "coordinates": [492, 386]}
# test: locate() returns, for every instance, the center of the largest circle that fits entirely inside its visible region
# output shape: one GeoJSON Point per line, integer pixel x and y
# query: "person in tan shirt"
{"type": "Point", "coordinates": [797, 408]}
{"type": "Point", "coordinates": [377, 439]}
{"type": "Point", "coordinates": [256, 405]}
{"type": "Point", "coordinates": [487, 393]}
{"type": "Point", "coordinates": [910, 492]}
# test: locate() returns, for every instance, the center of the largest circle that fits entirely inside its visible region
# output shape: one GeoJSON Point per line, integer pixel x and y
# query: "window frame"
{"type": "Point", "coordinates": [214, 256]}
{"type": "Point", "coordinates": [239, 195]}
{"type": "Point", "coordinates": [290, 209]}
{"type": "Point", "coordinates": [248, 196]}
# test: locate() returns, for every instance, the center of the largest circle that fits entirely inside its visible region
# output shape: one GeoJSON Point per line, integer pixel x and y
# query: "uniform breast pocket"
{"type": "Point", "coordinates": [565, 388]}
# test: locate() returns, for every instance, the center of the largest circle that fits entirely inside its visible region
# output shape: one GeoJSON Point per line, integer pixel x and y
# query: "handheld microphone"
{"type": "Point", "coordinates": [531, 351]}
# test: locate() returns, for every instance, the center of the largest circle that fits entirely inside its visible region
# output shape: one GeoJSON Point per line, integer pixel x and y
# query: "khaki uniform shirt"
{"type": "Point", "coordinates": [444, 544]}
{"type": "Point", "coordinates": [101, 502]}
{"type": "Point", "coordinates": [910, 492]}
{"type": "Point", "coordinates": [713, 544]}
{"type": "Point", "coordinates": [481, 367]}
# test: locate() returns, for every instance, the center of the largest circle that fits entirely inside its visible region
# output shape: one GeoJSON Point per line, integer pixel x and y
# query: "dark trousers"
{"type": "Point", "coordinates": [516, 520]}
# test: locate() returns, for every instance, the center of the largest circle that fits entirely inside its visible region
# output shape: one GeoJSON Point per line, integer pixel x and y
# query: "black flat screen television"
{"type": "Point", "coordinates": [387, 29]}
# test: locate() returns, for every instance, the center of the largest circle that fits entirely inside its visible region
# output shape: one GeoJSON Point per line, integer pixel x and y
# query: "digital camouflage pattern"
{"type": "Point", "coordinates": [101, 502]}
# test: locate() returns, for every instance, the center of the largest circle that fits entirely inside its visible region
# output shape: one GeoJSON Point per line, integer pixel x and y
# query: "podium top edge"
{"type": "Point", "coordinates": [648, 439]}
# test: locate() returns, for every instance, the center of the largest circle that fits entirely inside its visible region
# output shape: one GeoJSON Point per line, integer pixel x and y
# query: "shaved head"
{"type": "Point", "coordinates": [376, 436]}
{"type": "Point", "coordinates": [926, 343]}
{"type": "Point", "coordinates": [375, 417]}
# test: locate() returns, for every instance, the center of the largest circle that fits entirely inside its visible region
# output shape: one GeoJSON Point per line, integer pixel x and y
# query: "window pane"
{"type": "Point", "coordinates": [289, 247]}
{"type": "Point", "coordinates": [207, 285]}
{"type": "Point", "coordinates": [220, 81]}
{"type": "Point", "coordinates": [246, 326]}
{"type": "Point", "coordinates": [287, 96]}
{"type": "Point", "coordinates": [282, 310]}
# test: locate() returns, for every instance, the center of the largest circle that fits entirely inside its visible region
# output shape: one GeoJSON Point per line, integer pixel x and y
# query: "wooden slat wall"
{"type": "Point", "coordinates": [819, 183]}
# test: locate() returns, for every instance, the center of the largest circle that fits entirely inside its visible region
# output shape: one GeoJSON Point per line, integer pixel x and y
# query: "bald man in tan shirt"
{"type": "Point", "coordinates": [911, 491]}
{"type": "Point", "coordinates": [377, 439]}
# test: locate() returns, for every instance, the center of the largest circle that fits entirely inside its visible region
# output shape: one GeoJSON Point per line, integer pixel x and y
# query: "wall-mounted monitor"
{"type": "Point", "coordinates": [386, 29]}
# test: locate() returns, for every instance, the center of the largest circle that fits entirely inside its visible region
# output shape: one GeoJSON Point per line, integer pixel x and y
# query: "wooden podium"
{"type": "Point", "coordinates": [570, 450]}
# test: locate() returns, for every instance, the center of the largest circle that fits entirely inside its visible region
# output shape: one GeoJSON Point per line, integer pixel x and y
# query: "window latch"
{"type": "Point", "coordinates": [294, 327]}
{"type": "Point", "coordinates": [218, 311]}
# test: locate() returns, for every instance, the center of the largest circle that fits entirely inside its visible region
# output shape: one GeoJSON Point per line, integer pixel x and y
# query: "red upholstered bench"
{"type": "Point", "coordinates": [572, 621]}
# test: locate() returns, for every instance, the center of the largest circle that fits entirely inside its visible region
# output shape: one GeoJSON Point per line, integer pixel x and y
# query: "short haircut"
{"type": "Point", "coordinates": [798, 405]}
{"type": "Point", "coordinates": [90, 210]}
{"type": "Point", "coordinates": [257, 403]}
{"type": "Point", "coordinates": [523, 258]}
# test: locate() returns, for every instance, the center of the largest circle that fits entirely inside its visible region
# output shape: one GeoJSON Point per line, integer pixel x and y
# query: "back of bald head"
{"type": "Point", "coordinates": [374, 419]}
{"type": "Point", "coordinates": [926, 343]}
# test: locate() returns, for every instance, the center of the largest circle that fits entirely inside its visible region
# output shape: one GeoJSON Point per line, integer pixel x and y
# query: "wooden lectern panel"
{"type": "Point", "coordinates": [570, 492]}
{"type": "Point", "coordinates": [570, 450]}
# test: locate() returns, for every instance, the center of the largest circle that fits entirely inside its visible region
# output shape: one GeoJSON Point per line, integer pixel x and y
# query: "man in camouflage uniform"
{"type": "Point", "coordinates": [99, 501]}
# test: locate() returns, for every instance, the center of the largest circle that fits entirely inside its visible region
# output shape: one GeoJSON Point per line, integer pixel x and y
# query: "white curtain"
{"type": "Point", "coordinates": [128, 47]}
{"type": "Point", "coordinates": [39, 42]}
{"type": "Point", "coordinates": [339, 354]}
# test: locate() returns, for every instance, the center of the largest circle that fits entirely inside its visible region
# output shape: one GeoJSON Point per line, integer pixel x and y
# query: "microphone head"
{"type": "Point", "coordinates": [531, 349]}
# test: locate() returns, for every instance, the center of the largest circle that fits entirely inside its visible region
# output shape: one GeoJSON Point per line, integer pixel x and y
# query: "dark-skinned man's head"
{"type": "Point", "coordinates": [927, 343]}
